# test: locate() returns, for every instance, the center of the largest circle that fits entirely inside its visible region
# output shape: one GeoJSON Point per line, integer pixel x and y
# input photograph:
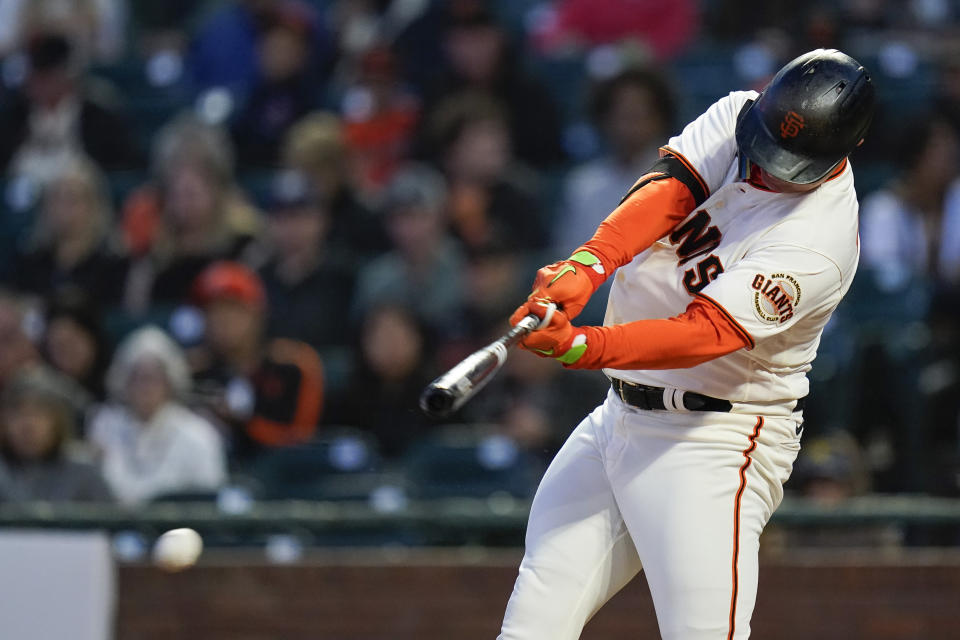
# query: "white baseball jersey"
{"type": "Point", "coordinates": [776, 263]}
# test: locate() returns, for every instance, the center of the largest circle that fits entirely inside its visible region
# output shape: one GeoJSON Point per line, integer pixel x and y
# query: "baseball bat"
{"type": "Point", "coordinates": [450, 391]}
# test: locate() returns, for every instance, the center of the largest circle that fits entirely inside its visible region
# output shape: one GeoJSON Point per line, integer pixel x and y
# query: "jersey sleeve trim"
{"type": "Point", "coordinates": [654, 174]}
{"type": "Point", "coordinates": [675, 164]}
{"type": "Point", "coordinates": [733, 322]}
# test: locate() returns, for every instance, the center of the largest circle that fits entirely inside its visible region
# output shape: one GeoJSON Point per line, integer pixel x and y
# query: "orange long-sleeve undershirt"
{"type": "Point", "coordinates": [703, 332]}
{"type": "Point", "coordinates": [648, 214]}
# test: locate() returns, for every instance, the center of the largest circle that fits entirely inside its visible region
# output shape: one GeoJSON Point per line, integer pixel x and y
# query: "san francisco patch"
{"type": "Point", "coordinates": [775, 297]}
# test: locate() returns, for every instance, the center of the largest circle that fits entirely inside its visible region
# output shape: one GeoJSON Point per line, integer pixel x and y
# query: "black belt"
{"type": "Point", "coordinates": [649, 398]}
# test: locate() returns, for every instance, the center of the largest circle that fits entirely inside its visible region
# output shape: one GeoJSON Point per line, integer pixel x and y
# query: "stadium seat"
{"type": "Point", "coordinates": [468, 461]}
{"type": "Point", "coordinates": [307, 471]}
{"type": "Point", "coordinates": [122, 183]}
{"type": "Point", "coordinates": [886, 301]}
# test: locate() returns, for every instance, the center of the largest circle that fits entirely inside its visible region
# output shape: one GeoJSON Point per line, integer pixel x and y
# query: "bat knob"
{"type": "Point", "coordinates": [437, 401]}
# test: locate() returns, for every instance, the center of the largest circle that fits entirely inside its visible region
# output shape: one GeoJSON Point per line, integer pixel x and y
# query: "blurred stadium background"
{"type": "Point", "coordinates": [237, 237]}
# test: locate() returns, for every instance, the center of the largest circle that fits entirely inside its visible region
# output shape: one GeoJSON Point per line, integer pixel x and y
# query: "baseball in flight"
{"type": "Point", "coordinates": [177, 549]}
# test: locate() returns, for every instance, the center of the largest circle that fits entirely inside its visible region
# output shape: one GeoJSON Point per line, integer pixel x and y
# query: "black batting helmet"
{"type": "Point", "coordinates": [813, 113]}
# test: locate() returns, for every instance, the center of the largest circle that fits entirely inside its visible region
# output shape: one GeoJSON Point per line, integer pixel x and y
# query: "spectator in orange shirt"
{"type": "Point", "coordinates": [380, 114]}
{"type": "Point", "coordinates": [268, 392]}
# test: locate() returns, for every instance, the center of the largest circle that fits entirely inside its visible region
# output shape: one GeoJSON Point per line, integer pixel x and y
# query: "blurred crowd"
{"type": "Point", "coordinates": [232, 230]}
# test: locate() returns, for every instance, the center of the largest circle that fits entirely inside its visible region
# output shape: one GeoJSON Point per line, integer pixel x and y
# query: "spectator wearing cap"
{"type": "Point", "coordinates": [480, 58]}
{"type": "Point", "coordinates": [150, 444]}
{"type": "Point", "coordinates": [72, 244]}
{"type": "Point", "coordinates": [833, 470]}
{"type": "Point", "coordinates": [39, 458]}
{"type": "Point", "coordinates": [316, 146]}
{"type": "Point", "coordinates": [59, 115]}
{"type": "Point", "coordinates": [425, 268]}
{"type": "Point", "coordinates": [269, 392]}
{"type": "Point", "coordinates": [308, 282]}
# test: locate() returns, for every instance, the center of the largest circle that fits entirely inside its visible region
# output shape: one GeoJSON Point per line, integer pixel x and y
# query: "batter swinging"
{"type": "Point", "coordinates": [748, 226]}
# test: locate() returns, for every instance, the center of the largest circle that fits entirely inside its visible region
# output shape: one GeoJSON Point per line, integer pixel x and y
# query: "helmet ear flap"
{"type": "Point", "coordinates": [745, 108]}
{"type": "Point", "coordinates": [744, 161]}
{"type": "Point", "coordinates": [744, 167]}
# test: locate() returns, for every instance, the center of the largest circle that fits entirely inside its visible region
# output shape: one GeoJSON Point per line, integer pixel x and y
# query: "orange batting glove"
{"type": "Point", "coordinates": [570, 282]}
{"type": "Point", "coordinates": [557, 339]}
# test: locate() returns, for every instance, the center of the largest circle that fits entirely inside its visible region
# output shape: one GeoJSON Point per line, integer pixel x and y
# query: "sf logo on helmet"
{"type": "Point", "coordinates": [791, 125]}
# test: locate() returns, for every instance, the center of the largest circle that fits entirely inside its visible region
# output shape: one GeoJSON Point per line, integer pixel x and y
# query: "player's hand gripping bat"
{"type": "Point", "coordinates": [450, 391]}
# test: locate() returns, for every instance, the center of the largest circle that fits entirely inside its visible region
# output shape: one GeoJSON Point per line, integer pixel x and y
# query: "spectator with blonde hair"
{"type": "Point", "coordinates": [316, 146]}
{"type": "Point", "coordinates": [72, 244]}
{"type": "Point", "coordinates": [150, 443]}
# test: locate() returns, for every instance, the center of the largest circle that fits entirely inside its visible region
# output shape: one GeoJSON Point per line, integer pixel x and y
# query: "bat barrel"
{"type": "Point", "coordinates": [438, 401]}
{"type": "Point", "coordinates": [450, 391]}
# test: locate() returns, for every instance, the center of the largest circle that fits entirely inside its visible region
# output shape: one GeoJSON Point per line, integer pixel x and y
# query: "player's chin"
{"type": "Point", "coordinates": [782, 186]}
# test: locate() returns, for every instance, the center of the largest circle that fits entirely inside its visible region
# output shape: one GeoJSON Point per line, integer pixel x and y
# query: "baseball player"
{"type": "Point", "coordinates": [728, 259]}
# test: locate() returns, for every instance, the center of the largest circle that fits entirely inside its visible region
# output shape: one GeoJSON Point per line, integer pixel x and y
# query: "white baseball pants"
{"type": "Point", "coordinates": [684, 495]}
